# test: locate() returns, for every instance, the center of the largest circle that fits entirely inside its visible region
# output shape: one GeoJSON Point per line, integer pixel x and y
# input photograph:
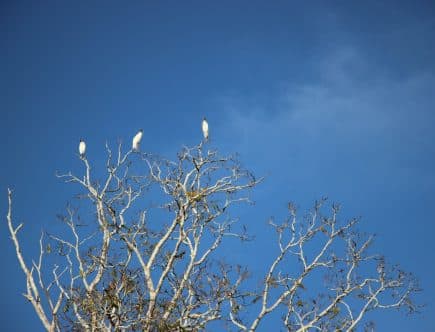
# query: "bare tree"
{"type": "Point", "coordinates": [142, 255]}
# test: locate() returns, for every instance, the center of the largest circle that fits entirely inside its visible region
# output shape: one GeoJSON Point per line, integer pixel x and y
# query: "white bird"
{"type": "Point", "coordinates": [136, 140]}
{"type": "Point", "coordinates": [82, 148]}
{"type": "Point", "coordinates": [205, 128]}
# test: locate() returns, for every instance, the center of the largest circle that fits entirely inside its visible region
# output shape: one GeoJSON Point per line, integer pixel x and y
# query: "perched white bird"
{"type": "Point", "coordinates": [205, 128]}
{"type": "Point", "coordinates": [136, 140]}
{"type": "Point", "coordinates": [82, 148]}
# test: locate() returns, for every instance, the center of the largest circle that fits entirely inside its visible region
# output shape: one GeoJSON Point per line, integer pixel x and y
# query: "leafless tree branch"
{"type": "Point", "coordinates": [143, 254]}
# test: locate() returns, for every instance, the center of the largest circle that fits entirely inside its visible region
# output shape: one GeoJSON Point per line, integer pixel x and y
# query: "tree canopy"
{"type": "Point", "coordinates": [142, 254]}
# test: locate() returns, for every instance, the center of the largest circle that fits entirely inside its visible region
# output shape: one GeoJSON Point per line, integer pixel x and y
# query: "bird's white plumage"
{"type": "Point", "coordinates": [82, 148]}
{"type": "Point", "coordinates": [205, 128]}
{"type": "Point", "coordinates": [136, 140]}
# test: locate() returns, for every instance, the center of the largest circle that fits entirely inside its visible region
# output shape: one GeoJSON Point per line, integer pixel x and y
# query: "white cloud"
{"type": "Point", "coordinates": [353, 102]}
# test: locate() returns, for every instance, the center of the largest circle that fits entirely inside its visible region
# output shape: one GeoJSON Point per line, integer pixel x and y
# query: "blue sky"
{"type": "Point", "coordinates": [334, 99]}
